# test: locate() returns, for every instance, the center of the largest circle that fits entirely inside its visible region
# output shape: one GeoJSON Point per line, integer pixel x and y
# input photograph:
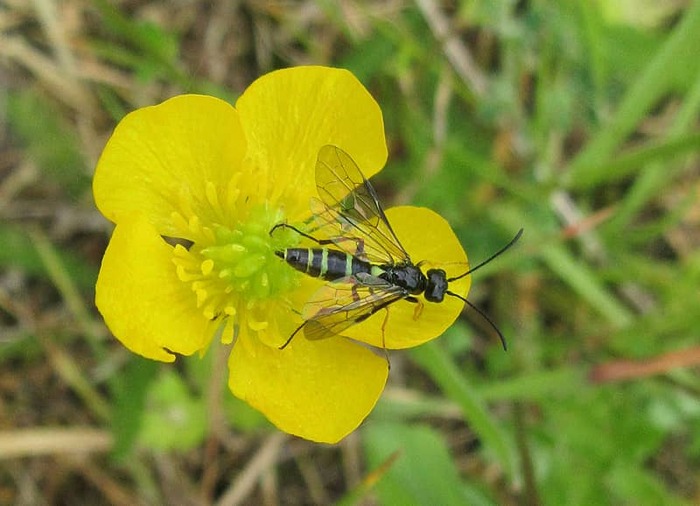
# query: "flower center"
{"type": "Point", "coordinates": [233, 269]}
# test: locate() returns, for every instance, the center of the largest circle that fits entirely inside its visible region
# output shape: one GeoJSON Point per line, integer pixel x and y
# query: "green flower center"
{"type": "Point", "coordinates": [230, 266]}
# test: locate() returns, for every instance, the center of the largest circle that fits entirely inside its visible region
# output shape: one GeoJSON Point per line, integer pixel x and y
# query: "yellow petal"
{"type": "Point", "coordinates": [288, 317]}
{"type": "Point", "coordinates": [162, 158]}
{"type": "Point", "coordinates": [142, 300]}
{"type": "Point", "coordinates": [288, 115]}
{"type": "Point", "coordinates": [318, 390]}
{"type": "Point", "coordinates": [427, 237]}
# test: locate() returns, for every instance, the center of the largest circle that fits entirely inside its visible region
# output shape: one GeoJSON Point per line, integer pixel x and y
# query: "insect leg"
{"type": "Point", "coordinates": [386, 353]}
{"type": "Point", "coordinates": [355, 295]}
{"type": "Point", "coordinates": [418, 310]}
{"type": "Point", "coordinates": [359, 242]}
{"type": "Point", "coordinates": [286, 225]}
{"type": "Point", "coordinates": [360, 246]}
{"type": "Point", "coordinates": [289, 340]}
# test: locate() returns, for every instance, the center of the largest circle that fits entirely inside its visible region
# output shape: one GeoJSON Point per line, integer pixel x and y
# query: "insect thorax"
{"type": "Point", "coordinates": [406, 275]}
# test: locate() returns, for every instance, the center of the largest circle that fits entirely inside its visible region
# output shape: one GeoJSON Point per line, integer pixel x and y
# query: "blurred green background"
{"type": "Point", "coordinates": [577, 120]}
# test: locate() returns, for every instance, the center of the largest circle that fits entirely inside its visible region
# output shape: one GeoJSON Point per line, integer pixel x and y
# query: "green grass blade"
{"type": "Point", "coordinates": [680, 50]}
{"type": "Point", "coordinates": [436, 362]}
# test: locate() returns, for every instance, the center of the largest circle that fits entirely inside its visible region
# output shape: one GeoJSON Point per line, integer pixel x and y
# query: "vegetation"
{"type": "Point", "coordinates": [577, 120]}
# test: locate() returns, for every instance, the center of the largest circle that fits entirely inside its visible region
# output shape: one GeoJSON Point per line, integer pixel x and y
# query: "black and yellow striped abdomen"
{"type": "Point", "coordinates": [324, 263]}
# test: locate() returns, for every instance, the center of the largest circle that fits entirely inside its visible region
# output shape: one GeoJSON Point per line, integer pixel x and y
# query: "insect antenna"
{"type": "Point", "coordinates": [485, 317]}
{"type": "Point", "coordinates": [479, 311]}
{"type": "Point", "coordinates": [498, 253]}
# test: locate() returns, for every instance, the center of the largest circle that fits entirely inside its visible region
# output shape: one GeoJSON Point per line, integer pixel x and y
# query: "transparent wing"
{"type": "Point", "coordinates": [343, 303]}
{"type": "Point", "coordinates": [349, 212]}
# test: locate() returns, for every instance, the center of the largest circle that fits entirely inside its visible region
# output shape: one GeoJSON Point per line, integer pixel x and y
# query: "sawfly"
{"type": "Point", "coordinates": [360, 257]}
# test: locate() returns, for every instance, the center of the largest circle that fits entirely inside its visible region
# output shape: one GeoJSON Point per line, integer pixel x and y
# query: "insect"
{"type": "Point", "coordinates": [365, 266]}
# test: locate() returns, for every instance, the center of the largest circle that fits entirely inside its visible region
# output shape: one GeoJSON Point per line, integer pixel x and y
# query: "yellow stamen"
{"type": "Point", "coordinates": [207, 266]}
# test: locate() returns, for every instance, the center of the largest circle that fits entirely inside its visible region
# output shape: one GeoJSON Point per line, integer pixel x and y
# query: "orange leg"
{"type": "Point", "coordinates": [418, 310]}
{"type": "Point", "coordinates": [386, 354]}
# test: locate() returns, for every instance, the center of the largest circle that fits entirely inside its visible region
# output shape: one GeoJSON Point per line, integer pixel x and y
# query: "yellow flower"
{"type": "Point", "coordinates": [194, 186]}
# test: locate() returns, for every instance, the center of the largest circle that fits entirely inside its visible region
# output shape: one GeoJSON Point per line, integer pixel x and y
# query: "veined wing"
{"type": "Point", "coordinates": [343, 303]}
{"type": "Point", "coordinates": [349, 212]}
